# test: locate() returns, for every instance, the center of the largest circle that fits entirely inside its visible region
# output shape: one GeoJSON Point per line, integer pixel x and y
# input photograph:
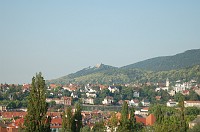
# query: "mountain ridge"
{"type": "Point", "coordinates": [164, 63]}
{"type": "Point", "coordinates": [137, 71]}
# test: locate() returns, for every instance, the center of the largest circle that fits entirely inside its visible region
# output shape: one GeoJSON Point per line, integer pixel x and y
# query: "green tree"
{"type": "Point", "coordinates": [192, 111]}
{"type": "Point", "coordinates": [159, 114]}
{"type": "Point", "coordinates": [183, 126]}
{"type": "Point", "coordinates": [133, 124]}
{"type": "Point", "coordinates": [113, 122]}
{"type": "Point", "coordinates": [124, 123]}
{"type": "Point", "coordinates": [99, 127]}
{"type": "Point", "coordinates": [36, 119]}
{"type": "Point", "coordinates": [77, 118]}
{"type": "Point", "coordinates": [67, 120]}
{"type": "Point", "coordinates": [85, 129]}
{"type": "Point", "coordinates": [64, 122]}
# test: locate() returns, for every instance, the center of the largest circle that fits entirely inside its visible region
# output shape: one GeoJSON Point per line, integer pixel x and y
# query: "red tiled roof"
{"type": "Point", "coordinates": [53, 85]}
{"type": "Point", "coordinates": [146, 108]}
{"type": "Point", "coordinates": [23, 114]}
{"type": "Point", "coordinates": [54, 114]}
{"type": "Point", "coordinates": [192, 101]}
{"type": "Point", "coordinates": [140, 120]}
{"type": "Point", "coordinates": [13, 114]}
{"type": "Point", "coordinates": [19, 121]}
{"type": "Point", "coordinates": [150, 120]}
{"type": "Point", "coordinates": [56, 122]}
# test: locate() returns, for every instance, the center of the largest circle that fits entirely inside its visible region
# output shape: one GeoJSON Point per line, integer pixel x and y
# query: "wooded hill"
{"type": "Point", "coordinates": [178, 67]}
{"type": "Point", "coordinates": [165, 63]}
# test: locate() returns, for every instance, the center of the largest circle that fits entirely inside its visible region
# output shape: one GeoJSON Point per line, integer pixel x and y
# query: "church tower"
{"type": "Point", "coordinates": [167, 82]}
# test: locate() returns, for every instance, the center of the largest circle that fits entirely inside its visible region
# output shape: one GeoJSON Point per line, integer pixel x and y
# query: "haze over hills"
{"type": "Point", "coordinates": [179, 66]}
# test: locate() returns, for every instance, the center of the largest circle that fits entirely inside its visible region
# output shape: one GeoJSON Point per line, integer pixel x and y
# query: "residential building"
{"type": "Point", "coordinates": [171, 103]}
{"type": "Point", "coordinates": [3, 108]}
{"type": "Point", "coordinates": [136, 94]}
{"type": "Point", "coordinates": [172, 92]}
{"type": "Point", "coordinates": [148, 121]}
{"type": "Point", "coordinates": [112, 89]}
{"type": "Point", "coordinates": [88, 100]}
{"type": "Point", "coordinates": [74, 95]}
{"type": "Point", "coordinates": [93, 95]}
{"type": "Point", "coordinates": [144, 111]}
{"type": "Point", "coordinates": [108, 100]}
{"type": "Point", "coordinates": [192, 103]}
{"type": "Point", "coordinates": [57, 100]}
{"type": "Point", "coordinates": [186, 92]}
{"type": "Point", "coordinates": [67, 100]}
{"type": "Point", "coordinates": [56, 124]}
{"type": "Point", "coordinates": [134, 102]}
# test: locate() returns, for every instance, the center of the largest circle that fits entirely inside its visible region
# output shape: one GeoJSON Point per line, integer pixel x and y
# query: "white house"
{"type": "Point", "coordinates": [74, 95]}
{"type": "Point", "coordinates": [112, 89]}
{"type": "Point", "coordinates": [58, 101]}
{"type": "Point", "coordinates": [172, 92]}
{"type": "Point", "coordinates": [192, 103]}
{"type": "Point", "coordinates": [134, 102]}
{"type": "Point", "coordinates": [88, 101]}
{"type": "Point", "coordinates": [89, 89]}
{"type": "Point", "coordinates": [108, 100]}
{"type": "Point", "coordinates": [171, 103]}
{"type": "Point", "coordinates": [136, 94]}
{"type": "Point", "coordinates": [144, 111]}
{"type": "Point", "coordinates": [93, 95]}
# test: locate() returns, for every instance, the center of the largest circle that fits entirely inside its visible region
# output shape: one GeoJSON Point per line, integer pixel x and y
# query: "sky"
{"type": "Point", "coordinates": [61, 37]}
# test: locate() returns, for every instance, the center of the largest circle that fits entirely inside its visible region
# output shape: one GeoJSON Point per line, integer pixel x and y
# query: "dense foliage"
{"type": "Point", "coordinates": [173, 118]}
{"type": "Point", "coordinates": [13, 96]}
{"type": "Point", "coordinates": [72, 122]}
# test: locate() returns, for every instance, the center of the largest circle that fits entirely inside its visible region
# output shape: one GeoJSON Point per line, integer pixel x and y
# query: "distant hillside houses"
{"type": "Point", "coordinates": [163, 86]}
{"type": "Point", "coordinates": [179, 87]}
{"type": "Point", "coordinates": [89, 89]}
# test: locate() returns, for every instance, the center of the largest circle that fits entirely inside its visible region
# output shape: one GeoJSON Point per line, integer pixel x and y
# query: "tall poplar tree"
{"type": "Point", "coordinates": [77, 118]}
{"type": "Point", "coordinates": [183, 126]}
{"type": "Point", "coordinates": [36, 119]}
{"type": "Point", "coordinates": [67, 120]}
{"type": "Point", "coordinates": [124, 124]}
{"type": "Point", "coordinates": [132, 120]}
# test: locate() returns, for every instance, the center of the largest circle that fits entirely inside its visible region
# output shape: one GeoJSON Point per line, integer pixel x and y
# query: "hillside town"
{"type": "Point", "coordinates": [99, 102]}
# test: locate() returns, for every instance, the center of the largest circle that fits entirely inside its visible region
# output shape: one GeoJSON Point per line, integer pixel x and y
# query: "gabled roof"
{"type": "Point", "coordinates": [13, 114]}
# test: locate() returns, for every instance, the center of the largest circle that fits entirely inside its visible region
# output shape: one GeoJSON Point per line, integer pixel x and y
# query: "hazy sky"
{"type": "Point", "coordinates": [62, 37]}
